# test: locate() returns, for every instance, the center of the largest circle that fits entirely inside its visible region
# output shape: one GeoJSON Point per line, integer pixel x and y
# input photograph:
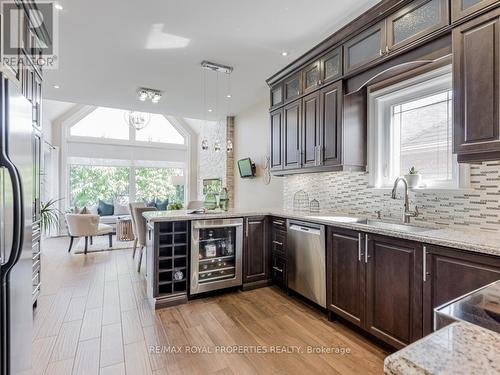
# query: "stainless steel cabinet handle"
{"type": "Point", "coordinates": [246, 230]}
{"type": "Point", "coordinates": [278, 243]}
{"type": "Point", "coordinates": [359, 247]}
{"type": "Point", "coordinates": [277, 222]}
{"type": "Point", "coordinates": [424, 264]}
{"type": "Point", "coordinates": [278, 269]}
{"type": "Point", "coordinates": [366, 248]}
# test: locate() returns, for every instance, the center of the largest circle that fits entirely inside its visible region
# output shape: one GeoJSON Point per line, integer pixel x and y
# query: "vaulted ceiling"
{"type": "Point", "coordinates": [107, 49]}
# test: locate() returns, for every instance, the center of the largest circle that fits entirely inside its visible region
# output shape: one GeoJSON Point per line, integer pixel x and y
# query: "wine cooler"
{"type": "Point", "coordinates": [216, 254]}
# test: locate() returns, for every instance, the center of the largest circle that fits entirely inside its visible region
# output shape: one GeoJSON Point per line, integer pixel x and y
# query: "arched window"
{"type": "Point", "coordinates": [111, 124]}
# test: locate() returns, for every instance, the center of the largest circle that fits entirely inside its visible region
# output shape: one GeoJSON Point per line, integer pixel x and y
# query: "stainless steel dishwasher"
{"type": "Point", "coordinates": [306, 260]}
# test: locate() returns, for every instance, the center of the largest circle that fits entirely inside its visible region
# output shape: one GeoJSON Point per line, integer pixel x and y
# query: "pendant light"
{"type": "Point", "coordinates": [217, 68]}
{"type": "Point", "coordinates": [137, 120]}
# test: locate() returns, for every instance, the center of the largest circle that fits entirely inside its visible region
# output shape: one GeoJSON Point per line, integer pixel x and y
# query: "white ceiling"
{"type": "Point", "coordinates": [107, 49]}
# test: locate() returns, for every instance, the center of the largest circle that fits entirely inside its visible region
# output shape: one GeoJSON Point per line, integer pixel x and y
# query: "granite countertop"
{"type": "Point", "coordinates": [460, 348]}
{"type": "Point", "coordinates": [477, 240]}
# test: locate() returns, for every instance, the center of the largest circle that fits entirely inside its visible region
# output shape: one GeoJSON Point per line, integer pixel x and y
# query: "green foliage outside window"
{"type": "Point", "coordinates": [88, 184]}
{"type": "Point", "coordinates": [151, 183]}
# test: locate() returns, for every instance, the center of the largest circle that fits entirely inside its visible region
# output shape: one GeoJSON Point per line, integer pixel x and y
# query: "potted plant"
{"type": "Point", "coordinates": [413, 178]}
{"type": "Point", "coordinates": [49, 215]}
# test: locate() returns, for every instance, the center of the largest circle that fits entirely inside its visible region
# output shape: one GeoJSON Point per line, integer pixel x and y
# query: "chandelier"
{"type": "Point", "coordinates": [137, 120]}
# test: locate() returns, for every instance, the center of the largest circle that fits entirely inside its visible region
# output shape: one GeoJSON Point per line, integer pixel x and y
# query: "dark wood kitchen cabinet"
{"type": "Point", "coordinates": [345, 274]}
{"type": "Point", "coordinates": [393, 289]}
{"type": "Point", "coordinates": [414, 21]}
{"type": "Point", "coordinates": [365, 47]}
{"type": "Point", "coordinates": [276, 151]}
{"type": "Point", "coordinates": [330, 124]}
{"type": "Point", "coordinates": [311, 77]}
{"type": "Point", "coordinates": [375, 282]}
{"type": "Point", "coordinates": [278, 251]}
{"type": "Point", "coordinates": [476, 81]}
{"type": "Point", "coordinates": [463, 8]}
{"type": "Point", "coordinates": [331, 66]}
{"type": "Point", "coordinates": [291, 139]}
{"type": "Point", "coordinates": [292, 87]}
{"type": "Point", "coordinates": [452, 273]}
{"type": "Point", "coordinates": [310, 130]}
{"type": "Point", "coordinates": [256, 250]}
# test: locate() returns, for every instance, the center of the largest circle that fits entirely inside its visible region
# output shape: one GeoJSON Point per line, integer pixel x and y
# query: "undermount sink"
{"type": "Point", "coordinates": [374, 223]}
{"type": "Point", "coordinates": [393, 226]}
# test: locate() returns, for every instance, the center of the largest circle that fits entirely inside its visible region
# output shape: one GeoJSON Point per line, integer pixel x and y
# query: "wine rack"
{"type": "Point", "coordinates": [172, 260]}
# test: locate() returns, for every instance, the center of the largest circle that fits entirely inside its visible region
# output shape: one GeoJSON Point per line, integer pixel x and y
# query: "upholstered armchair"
{"type": "Point", "coordinates": [88, 226]}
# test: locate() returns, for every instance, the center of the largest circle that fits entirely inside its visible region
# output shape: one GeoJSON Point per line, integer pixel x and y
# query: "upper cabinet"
{"type": "Point", "coordinates": [476, 85]}
{"type": "Point", "coordinates": [365, 47]}
{"type": "Point", "coordinates": [292, 87]}
{"type": "Point", "coordinates": [464, 8]}
{"type": "Point", "coordinates": [331, 66]}
{"type": "Point", "coordinates": [311, 77]}
{"type": "Point", "coordinates": [414, 21]}
{"type": "Point", "coordinates": [277, 95]}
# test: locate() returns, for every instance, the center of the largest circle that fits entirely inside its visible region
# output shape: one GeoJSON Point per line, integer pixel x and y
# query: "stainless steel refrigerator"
{"type": "Point", "coordinates": [16, 197]}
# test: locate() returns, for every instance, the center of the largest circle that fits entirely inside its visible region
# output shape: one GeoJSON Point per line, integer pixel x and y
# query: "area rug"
{"type": "Point", "coordinates": [101, 244]}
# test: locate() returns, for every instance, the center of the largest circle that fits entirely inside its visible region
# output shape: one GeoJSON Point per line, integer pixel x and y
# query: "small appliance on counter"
{"type": "Point", "coordinates": [216, 254]}
{"type": "Point", "coordinates": [246, 168]}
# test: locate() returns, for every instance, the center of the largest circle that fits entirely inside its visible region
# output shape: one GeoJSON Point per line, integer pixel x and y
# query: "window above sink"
{"type": "Point", "coordinates": [410, 125]}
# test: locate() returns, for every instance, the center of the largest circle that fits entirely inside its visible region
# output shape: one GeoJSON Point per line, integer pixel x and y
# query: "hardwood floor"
{"type": "Point", "coordinates": [93, 317]}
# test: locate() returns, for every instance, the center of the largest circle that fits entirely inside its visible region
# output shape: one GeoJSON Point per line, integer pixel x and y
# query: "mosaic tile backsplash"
{"type": "Point", "coordinates": [348, 192]}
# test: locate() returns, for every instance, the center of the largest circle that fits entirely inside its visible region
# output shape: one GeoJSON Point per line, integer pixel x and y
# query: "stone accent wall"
{"type": "Point", "coordinates": [230, 161]}
{"type": "Point", "coordinates": [348, 192]}
{"type": "Point", "coordinates": [211, 164]}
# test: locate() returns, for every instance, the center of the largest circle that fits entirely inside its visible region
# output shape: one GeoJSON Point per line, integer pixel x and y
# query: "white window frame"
{"type": "Point", "coordinates": [381, 166]}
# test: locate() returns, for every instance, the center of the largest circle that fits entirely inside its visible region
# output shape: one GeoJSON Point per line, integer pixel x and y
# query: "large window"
{"type": "Point", "coordinates": [156, 183]}
{"type": "Point", "coordinates": [411, 126]}
{"type": "Point", "coordinates": [89, 183]}
{"type": "Point", "coordinates": [111, 124]}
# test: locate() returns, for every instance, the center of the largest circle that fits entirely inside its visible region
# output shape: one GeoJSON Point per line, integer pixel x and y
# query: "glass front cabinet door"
{"type": "Point", "coordinates": [464, 8]}
{"type": "Point", "coordinates": [416, 20]}
{"type": "Point", "coordinates": [365, 47]}
{"type": "Point", "coordinates": [331, 66]}
{"type": "Point", "coordinates": [292, 87]}
{"type": "Point", "coordinates": [277, 95]}
{"type": "Point", "coordinates": [311, 77]}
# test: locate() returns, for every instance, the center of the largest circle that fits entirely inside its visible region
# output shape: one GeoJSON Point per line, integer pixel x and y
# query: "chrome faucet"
{"type": "Point", "coordinates": [407, 213]}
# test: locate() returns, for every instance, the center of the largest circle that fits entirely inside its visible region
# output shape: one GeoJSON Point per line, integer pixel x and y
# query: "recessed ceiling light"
{"type": "Point", "coordinates": [56, 86]}
{"type": "Point", "coordinates": [58, 7]}
{"type": "Point", "coordinates": [228, 96]}
{"type": "Point", "coordinates": [210, 110]}
{"type": "Point", "coordinates": [284, 53]}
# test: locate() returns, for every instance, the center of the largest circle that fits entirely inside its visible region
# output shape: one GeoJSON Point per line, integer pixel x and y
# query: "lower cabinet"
{"type": "Point", "coordinates": [256, 250]}
{"type": "Point", "coordinates": [375, 282]}
{"type": "Point", "coordinates": [279, 259]}
{"type": "Point", "coordinates": [452, 273]}
{"type": "Point", "coordinates": [393, 289]}
{"type": "Point", "coordinates": [345, 274]}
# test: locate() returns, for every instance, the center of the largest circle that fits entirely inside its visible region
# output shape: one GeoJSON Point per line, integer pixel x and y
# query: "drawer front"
{"type": "Point", "coordinates": [279, 223]}
{"type": "Point", "coordinates": [279, 242]}
{"type": "Point", "coordinates": [279, 270]}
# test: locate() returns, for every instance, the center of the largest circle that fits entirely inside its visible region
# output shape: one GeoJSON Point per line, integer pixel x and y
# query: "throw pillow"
{"type": "Point", "coordinates": [120, 209]}
{"type": "Point", "coordinates": [105, 209]}
{"type": "Point", "coordinates": [150, 203]}
{"type": "Point", "coordinates": [161, 206]}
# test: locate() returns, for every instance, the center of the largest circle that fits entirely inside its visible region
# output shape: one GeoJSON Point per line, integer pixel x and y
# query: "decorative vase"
{"type": "Point", "coordinates": [210, 201]}
{"type": "Point", "coordinates": [414, 180]}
